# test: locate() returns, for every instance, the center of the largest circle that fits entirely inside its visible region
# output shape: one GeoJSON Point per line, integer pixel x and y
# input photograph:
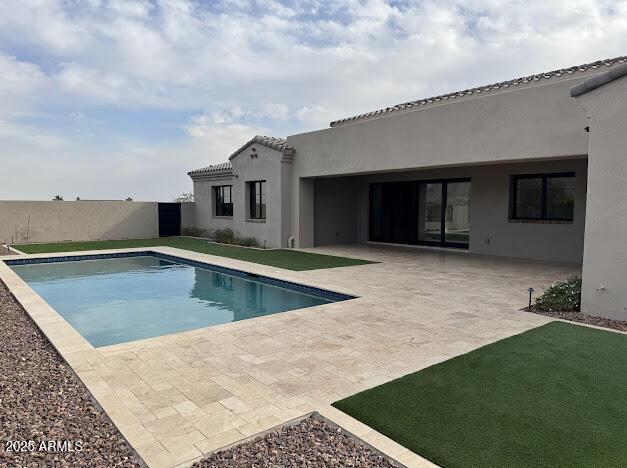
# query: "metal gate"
{"type": "Point", "coordinates": [169, 219]}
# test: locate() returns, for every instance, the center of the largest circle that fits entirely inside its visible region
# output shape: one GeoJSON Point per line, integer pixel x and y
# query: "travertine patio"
{"type": "Point", "coordinates": [179, 396]}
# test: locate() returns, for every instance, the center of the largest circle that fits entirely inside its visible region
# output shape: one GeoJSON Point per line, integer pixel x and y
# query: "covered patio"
{"type": "Point", "coordinates": [534, 210]}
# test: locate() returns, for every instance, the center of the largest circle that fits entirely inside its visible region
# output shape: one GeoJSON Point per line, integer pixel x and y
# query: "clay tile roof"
{"type": "Point", "coordinates": [279, 144]}
{"type": "Point", "coordinates": [225, 166]}
{"type": "Point", "coordinates": [483, 89]}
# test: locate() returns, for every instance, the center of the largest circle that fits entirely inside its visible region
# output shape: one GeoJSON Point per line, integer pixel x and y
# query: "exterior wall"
{"type": "Point", "coordinates": [188, 215]}
{"type": "Point", "coordinates": [53, 221]}
{"type": "Point", "coordinates": [342, 210]}
{"type": "Point", "coordinates": [337, 217]}
{"type": "Point", "coordinates": [268, 166]}
{"type": "Point", "coordinates": [605, 265]}
{"type": "Point", "coordinates": [526, 123]}
{"type": "Point", "coordinates": [204, 204]}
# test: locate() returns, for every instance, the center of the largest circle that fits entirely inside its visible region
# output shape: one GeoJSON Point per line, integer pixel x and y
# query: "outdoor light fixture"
{"type": "Point", "coordinates": [530, 293]}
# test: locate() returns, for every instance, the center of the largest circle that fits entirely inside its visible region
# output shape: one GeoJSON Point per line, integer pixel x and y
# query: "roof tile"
{"type": "Point", "coordinates": [481, 89]}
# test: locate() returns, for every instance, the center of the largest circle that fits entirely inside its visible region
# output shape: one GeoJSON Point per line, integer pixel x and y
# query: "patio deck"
{"type": "Point", "coordinates": [179, 396]}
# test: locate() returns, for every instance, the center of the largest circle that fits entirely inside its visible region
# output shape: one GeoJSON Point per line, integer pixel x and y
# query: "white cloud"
{"type": "Point", "coordinates": [232, 68]}
{"type": "Point", "coordinates": [20, 82]}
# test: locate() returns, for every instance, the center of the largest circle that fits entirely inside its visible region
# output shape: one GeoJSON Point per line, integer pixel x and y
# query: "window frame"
{"type": "Point", "coordinates": [254, 189]}
{"type": "Point", "coordinates": [219, 205]}
{"type": "Point", "coordinates": [544, 177]}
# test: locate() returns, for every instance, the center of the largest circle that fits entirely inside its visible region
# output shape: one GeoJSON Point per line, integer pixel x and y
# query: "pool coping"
{"type": "Point", "coordinates": [74, 349]}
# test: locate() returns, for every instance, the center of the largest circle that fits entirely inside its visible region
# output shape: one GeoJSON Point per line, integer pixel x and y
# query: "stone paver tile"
{"type": "Point", "coordinates": [155, 455]}
{"type": "Point", "coordinates": [138, 435]}
{"type": "Point", "coordinates": [189, 409]}
{"type": "Point", "coordinates": [170, 426]}
{"type": "Point", "coordinates": [234, 404]}
{"type": "Point", "coordinates": [217, 422]}
{"type": "Point", "coordinates": [261, 425]}
{"type": "Point", "coordinates": [218, 441]}
{"type": "Point", "coordinates": [160, 398]}
{"type": "Point", "coordinates": [182, 447]}
{"type": "Point", "coordinates": [291, 387]}
{"type": "Point", "coordinates": [202, 392]}
{"type": "Point", "coordinates": [161, 413]}
{"type": "Point", "coordinates": [411, 460]}
{"type": "Point", "coordinates": [385, 444]}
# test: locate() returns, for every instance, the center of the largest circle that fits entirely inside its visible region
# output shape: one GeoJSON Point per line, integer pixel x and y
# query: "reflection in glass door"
{"type": "Point", "coordinates": [430, 212]}
{"type": "Point", "coordinates": [457, 213]}
{"type": "Point", "coordinates": [415, 212]}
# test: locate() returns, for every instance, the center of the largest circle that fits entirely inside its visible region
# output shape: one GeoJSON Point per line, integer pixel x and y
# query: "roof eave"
{"type": "Point", "coordinates": [210, 174]}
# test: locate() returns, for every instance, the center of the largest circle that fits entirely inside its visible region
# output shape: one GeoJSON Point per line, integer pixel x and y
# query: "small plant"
{"type": "Point", "coordinates": [223, 236]}
{"type": "Point", "coordinates": [227, 236]}
{"type": "Point", "coordinates": [194, 232]}
{"type": "Point", "coordinates": [185, 197]}
{"type": "Point", "coordinates": [248, 242]}
{"type": "Point", "coordinates": [561, 296]}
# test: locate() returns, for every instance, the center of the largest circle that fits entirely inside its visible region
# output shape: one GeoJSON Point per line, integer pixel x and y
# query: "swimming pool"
{"type": "Point", "coordinates": [116, 298]}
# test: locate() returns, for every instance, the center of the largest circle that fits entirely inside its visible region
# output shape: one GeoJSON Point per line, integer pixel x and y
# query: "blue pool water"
{"type": "Point", "coordinates": [115, 300]}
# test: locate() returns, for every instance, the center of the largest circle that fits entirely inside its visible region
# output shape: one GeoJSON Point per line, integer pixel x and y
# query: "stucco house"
{"type": "Point", "coordinates": [531, 168]}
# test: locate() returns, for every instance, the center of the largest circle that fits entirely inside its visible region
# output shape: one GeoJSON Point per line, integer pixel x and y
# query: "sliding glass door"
{"type": "Point", "coordinates": [430, 212]}
{"type": "Point", "coordinates": [457, 214]}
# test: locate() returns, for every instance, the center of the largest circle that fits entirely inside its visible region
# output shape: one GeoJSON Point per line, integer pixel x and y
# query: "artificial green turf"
{"type": "Point", "coordinates": [553, 396]}
{"type": "Point", "coordinates": [288, 259]}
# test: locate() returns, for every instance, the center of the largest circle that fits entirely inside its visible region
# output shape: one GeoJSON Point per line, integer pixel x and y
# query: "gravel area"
{"type": "Point", "coordinates": [585, 318]}
{"type": "Point", "coordinates": [41, 400]}
{"type": "Point", "coordinates": [310, 443]}
{"type": "Point", "coordinates": [5, 251]}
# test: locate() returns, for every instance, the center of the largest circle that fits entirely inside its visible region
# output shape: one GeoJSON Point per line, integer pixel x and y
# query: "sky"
{"type": "Point", "coordinates": [109, 99]}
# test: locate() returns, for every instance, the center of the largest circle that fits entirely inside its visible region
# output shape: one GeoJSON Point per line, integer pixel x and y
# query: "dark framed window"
{"type": "Point", "coordinates": [257, 201]}
{"type": "Point", "coordinates": [224, 201]}
{"type": "Point", "coordinates": [549, 197]}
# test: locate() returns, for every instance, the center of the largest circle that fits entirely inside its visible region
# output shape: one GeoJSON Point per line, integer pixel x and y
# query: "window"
{"type": "Point", "coordinates": [548, 197]}
{"type": "Point", "coordinates": [257, 193]}
{"type": "Point", "coordinates": [224, 201]}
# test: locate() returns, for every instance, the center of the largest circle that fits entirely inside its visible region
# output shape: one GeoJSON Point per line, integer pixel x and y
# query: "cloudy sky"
{"type": "Point", "coordinates": [117, 98]}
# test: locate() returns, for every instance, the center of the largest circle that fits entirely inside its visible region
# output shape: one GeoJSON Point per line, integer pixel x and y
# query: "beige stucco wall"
{"type": "Point", "coordinates": [52, 221]}
{"type": "Point", "coordinates": [524, 123]}
{"type": "Point", "coordinates": [605, 251]}
{"type": "Point", "coordinates": [188, 215]}
{"type": "Point", "coordinates": [268, 165]}
{"type": "Point", "coordinates": [527, 123]}
{"type": "Point", "coordinates": [342, 210]}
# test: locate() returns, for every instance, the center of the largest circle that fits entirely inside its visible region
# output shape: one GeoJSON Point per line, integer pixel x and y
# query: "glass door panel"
{"type": "Point", "coordinates": [457, 213]}
{"type": "Point", "coordinates": [430, 212]}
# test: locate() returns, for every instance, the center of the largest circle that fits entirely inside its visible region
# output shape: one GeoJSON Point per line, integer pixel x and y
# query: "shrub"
{"type": "Point", "coordinates": [248, 242]}
{"type": "Point", "coordinates": [194, 232]}
{"type": "Point", "coordinates": [224, 236]}
{"type": "Point", "coordinates": [561, 296]}
{"type": "Point", "coordinates": [227, 236]}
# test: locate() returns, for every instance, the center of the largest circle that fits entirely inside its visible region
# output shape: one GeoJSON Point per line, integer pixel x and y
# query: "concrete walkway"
{"type": "Point", "coordinates": [179, 396]}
